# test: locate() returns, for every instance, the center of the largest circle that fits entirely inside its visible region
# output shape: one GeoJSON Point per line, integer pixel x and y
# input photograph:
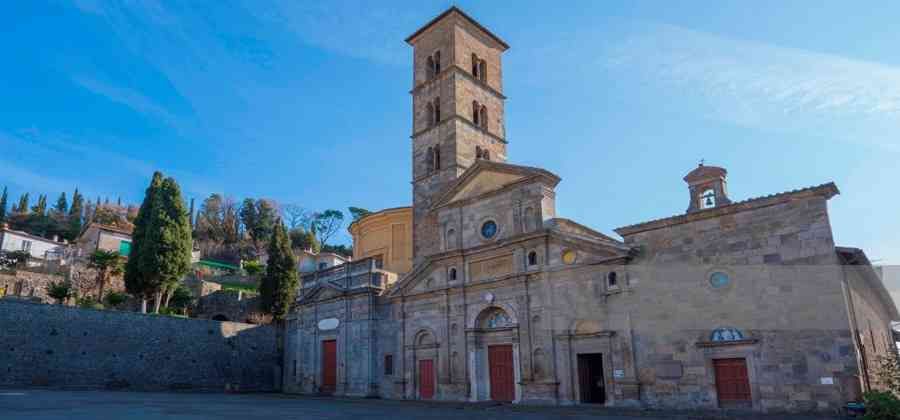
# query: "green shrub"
{"type": "Point", "coordinates": [253, 268]}
{"type": "Point", "coordinates": [115, 299]}
{"type": "Point", "coordinates": [61, 291]}
{"type": "Point", "coordinates": [881, 405]}
{"type": "Point", "coordinates": [89, 303]}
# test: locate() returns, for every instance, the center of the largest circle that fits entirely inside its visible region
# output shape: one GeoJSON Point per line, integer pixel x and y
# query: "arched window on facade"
{"type": "Point", "coordinates": [429, 68]}
{"type": "Point", "coordinates": [437, 158]}
{"type": "Point", "coordinates": [478, 152]}
{"type": "Point", "coordinates": [612, 279]}
{"type": "Point", "coordinates": [474, 66]}
{"type": "Point", "coordinates": [437, 110]}
{"type": "Point", "coordinates": [451, 274]}
{"type": "Point", "coordinates": [429, 113]}
{"type": "Point", "coordinates": [437, 62]}
{"type": "Point", "coordinates": [429, 160]}
{"type": "Point", "coordinates": [475, 111]}
{"type": "Point", "coordinates": [486, 154]}
{"type": "Point", "coordinates": [482, 70]}
{"type": "Point", "coordinates": [483, 117]}
{"type": "Point", "coordinates": [532, 258]}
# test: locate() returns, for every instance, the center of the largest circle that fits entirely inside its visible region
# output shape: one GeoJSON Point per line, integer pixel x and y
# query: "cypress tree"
{"type": "Point", "coordinates": [278, 288]}
{"type": "Point", "coordinates": [161, 242]}
{"type": "Point", "coordinates": [62, 205]}
{"type": "Point", "coordinates": [23, 204]}
{"type": "Point", "coordinates": [138, 282]}
{"type": "Point", "coordinates": [173, 247]}
{"type": "Point", "coordinates": [3, 199]}
{"type": "Point", "coordinates": [75, 215]}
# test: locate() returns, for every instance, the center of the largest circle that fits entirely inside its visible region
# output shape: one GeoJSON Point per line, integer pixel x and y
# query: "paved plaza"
{"type": "Point", "coordinates": [102, 405]}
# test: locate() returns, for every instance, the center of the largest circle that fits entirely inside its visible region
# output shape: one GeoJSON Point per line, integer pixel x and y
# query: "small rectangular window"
{"type": "Point", "coordinates": [26, 245]}
{"type": "Point", "coordinates": [388, 364]}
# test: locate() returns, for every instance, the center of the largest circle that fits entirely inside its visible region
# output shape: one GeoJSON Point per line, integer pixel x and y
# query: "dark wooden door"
{"type": "Point", "coordinates": [500, 363]}
{"type": "Point", "coordinates": [591, 381]}
{"type": "Point", "coordinates": [426, 379]}
{"type": "Point", "coordinates": [732, 382]}
{"type": "Point", "coordinates": [329, 366]}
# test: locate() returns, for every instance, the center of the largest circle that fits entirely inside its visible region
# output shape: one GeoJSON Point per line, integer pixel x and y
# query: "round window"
{"type": "Point", "coordinates": [569, 256]}
{"type": "Point", "coordinates": [489, 229]}
{"type": "Point", "coordinates": [719, 280]}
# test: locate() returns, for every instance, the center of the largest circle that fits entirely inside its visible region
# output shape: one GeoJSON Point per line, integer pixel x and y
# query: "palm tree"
{"type": "Point", "coordinates": [61, 291]}
{"type": "Point", "coordinates": [107, 263]}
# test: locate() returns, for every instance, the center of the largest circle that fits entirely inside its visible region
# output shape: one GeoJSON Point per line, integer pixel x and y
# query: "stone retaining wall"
{"type": "Point", "coordinates": [58, 346]}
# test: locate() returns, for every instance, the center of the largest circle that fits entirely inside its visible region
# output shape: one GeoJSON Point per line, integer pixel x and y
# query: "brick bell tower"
{"type": "Point", "coordinates": [458, 107]}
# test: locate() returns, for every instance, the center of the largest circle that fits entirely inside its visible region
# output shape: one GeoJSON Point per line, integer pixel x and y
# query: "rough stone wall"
{"type": "Point", "coordinates": [57, 346]}
{"type": "Point", "coordinates": [28, 284]}
{"type": "Point", "coordinates": [871, 322]}
{"type": "Point", "coordinates": [233, 305]}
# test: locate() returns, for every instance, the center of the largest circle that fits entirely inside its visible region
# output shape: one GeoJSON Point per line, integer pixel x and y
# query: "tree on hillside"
{"type": "Point", "coordinates": [170, 239]}
{"type": "Point", "coordinates": [259, 220]}
{"type": "Point", "coordinates": [327, 223]}
{"type": "Point", "coordinates": [358, 213]}
{"type": "Point", "coordinates": [304, 239]}
{"type": "Point", "coordinates": [75, 215]}
{"type": "Point", "coordinates": [279, 286]}
{"type": "Point", "coordinates": [296, 217]}
{"type": "Point", "coordinates": [62, 204]}
{"type": "Point", "coordinates": [22, 207]}
{"type": "Point", "coordinates": [342, 250]}
{"type": "Point", "coordinates": [141, 277]}
{"type": "Point", "coordinates": [107, 264]}
{"type": "Point", "coordinates": [3, 199]}
{"type": "Point", "coordinates": [40, 208]}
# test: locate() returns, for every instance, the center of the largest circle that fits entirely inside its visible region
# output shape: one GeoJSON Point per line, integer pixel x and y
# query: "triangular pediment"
{"type": "Point", "coordinates": [485, 177]}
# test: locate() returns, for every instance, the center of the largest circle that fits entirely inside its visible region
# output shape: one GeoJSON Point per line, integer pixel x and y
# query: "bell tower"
{"type": "Point", "coordinates": [458, 108]}
{"type": "Point", "coordinates": [707, 187]}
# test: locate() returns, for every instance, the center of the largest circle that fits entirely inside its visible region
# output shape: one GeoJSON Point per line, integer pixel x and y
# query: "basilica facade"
{"type": "Point", "coordinates": [731, 304]}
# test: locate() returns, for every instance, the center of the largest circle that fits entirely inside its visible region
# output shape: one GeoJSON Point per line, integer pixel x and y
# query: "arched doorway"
{"type": "Point", "coordinates": [495, 353]}
{"type": "Point", "coordinates": [425, 363]}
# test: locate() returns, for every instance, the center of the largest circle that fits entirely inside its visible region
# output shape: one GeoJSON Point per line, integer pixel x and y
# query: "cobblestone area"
{"type": "Point", "coordinates": [91, 405]}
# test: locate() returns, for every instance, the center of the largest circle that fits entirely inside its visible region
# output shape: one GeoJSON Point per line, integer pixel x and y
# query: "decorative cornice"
{"type": "Point", "coordinates": [455, 69]}
{"type": "Point", "coordinates": [464, 120]}
{"type": "Point", "coordinates": [711, 344]}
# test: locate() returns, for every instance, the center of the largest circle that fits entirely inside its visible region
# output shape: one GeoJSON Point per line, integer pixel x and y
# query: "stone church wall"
{"type": "Point", "coordinates": [64, 347]}
{"type": "Point", "coordinates": [784, 289]}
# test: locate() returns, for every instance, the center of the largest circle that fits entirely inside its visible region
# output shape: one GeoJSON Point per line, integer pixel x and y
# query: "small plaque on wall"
{"type": "Point", "coordinates": [618, 373]}
{"type": "Point", "coordinates": [826, 380]}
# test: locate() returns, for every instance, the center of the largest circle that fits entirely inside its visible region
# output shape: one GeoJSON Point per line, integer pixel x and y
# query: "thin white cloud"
{"type": "Point", "coordinates": [763, 85]}
{"type": "Point", "coordinates": [128, 97]}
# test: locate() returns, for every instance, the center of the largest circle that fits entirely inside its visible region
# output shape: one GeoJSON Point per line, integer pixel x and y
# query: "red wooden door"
{"type": "Point", "coordinates": [732, 382]}
{"type": "Point", "coordinates": [329, 366]}
{"type": "Point", "coordinates": [426, 379]}
{"type": "Point", "coordinates": [500, 363]}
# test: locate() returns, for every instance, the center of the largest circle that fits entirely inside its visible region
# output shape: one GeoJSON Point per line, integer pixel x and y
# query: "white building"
{"type": "Point", "coordinates": [36, 246]}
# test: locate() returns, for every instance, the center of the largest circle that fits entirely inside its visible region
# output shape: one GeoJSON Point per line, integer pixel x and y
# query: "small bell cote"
{"type": "Point", "coordinates": [707, 187]}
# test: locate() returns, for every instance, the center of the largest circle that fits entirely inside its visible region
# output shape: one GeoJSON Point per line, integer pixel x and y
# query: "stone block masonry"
{"type": "Point", "coordinates": [64, 347]}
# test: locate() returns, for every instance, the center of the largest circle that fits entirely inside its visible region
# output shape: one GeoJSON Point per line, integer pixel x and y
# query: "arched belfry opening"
{"type": "Point", "coordinates": [494, 351]}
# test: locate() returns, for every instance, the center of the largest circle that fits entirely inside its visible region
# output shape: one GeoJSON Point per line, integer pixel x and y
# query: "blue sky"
{"type": "Point", "coordinates": [308, 103]}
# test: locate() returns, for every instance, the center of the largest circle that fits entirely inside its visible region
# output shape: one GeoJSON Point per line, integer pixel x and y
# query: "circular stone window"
{"type": "Point", "coordinates": [719, 280]}
{"type": "Point", "coordinates": [569, 256]}
{"type": "Point", "coordinates": [489, 229]}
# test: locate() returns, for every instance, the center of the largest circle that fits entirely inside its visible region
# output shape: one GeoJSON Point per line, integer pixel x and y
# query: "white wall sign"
{"type": "Point", "coordinates": [329, 324]}
{"type": "Point", "coordinates": [618, 373]}
{"type": "Point", "coordinates": [826, 381]}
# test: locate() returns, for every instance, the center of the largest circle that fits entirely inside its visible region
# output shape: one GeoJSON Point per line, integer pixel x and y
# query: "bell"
{"type": "Point", "coordinates": [709, 201]}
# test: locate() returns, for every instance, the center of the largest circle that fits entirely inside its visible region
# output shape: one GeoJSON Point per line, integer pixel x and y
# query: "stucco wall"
{"type": "Point", "coordinates": [57, 346]}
